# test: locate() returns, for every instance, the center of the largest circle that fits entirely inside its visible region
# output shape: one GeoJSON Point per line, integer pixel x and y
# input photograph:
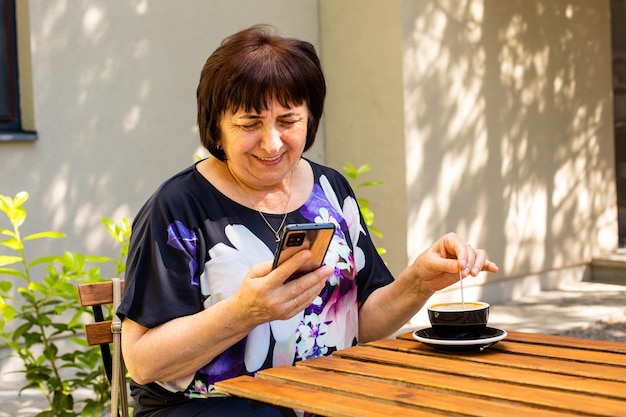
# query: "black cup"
{"type": "Point", "coordinates": [459, 320]}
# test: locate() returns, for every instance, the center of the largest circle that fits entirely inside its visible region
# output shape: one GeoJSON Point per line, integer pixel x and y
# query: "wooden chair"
{"type": "Point", "coordinates": [104, 332]}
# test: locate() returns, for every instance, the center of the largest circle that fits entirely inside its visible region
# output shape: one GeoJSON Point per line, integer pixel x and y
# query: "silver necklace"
{"type": "Point", "coordinates": [275, 231]}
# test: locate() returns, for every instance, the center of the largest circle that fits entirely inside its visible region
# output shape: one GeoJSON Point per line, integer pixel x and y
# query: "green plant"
{"type": "Point", "coordinates": [43, 309]}
{"type": "Point", "coordinates": [354, 174]}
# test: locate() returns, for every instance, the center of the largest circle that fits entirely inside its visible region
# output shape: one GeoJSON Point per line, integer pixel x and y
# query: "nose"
{"type": "Point", "coordinates": [272, 142]}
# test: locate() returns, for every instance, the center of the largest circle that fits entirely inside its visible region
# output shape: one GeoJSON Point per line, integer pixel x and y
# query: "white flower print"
{"type": "Point", "coordinates": [234, 263]}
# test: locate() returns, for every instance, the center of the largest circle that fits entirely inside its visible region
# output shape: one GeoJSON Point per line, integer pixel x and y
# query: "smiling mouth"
{"type": "Point", "coordinates": [272, 159]}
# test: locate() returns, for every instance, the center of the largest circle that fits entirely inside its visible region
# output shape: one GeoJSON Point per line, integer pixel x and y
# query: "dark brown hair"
{"type": "Point", "coordinates": [251, 68]}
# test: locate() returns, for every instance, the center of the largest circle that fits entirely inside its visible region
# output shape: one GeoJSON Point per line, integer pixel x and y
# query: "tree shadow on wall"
{"type": "Point", "coordinates": [514, 97]}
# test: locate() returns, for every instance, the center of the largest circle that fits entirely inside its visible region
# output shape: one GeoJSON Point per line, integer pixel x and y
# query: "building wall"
{"type": "Point", "coordinates": [113, 87]}
{"type": "Point", "coordinates": [364, 113]}
{"type": "Point", "coordinates": [489, 118]}
{"type": "Point", "coordinates": [504, 134]}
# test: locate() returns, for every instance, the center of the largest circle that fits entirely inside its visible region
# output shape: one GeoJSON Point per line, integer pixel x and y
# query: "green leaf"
{"type": "Point", "coordinates": [51, 352]}
{"type": "Point", "coordinates": [74, 261]}
{"type": "Point", "coordinates": [111, 226]}
{"type": "Point", "coordinates": [80, 341]}
{"type": "Point", "coordinates": [21, 330]}
{"type": "Point", "coordinates": [75, 321]}
{"type": "Point", "coordinates": [350, 171]}
{"type": "Point", "coordinates": [62, 401]}
{"type": "Point", "coordinates": [17, 216]}
{"type": "Point", "coordinates": [53, 235]}
{"type": "Point", "coordinates": [93, 275]}
{"type": "Point", "coordinates": [8, 260]}
{"type": "Point", "coordinates": [67, 288]}
{"type": "Point", "coordinates": [8, 312]}
{"type": "Point", "coordinates": [372, 184]}
{"type": "Point", "coordinates": [5, 203]}
{"type": "Point", "coordinates": [12, 243]}
{"type": "Point", "coordinates": [92, 408]}
{"type": "Point", "coordinates": [60, 309]}
{"type": "Point", "coordinates": [363, 168]}
{"type": "Point", "coordinates": [31, 339]}
{"type": "Point", "coordinates": [120, 233]}
{"type": "Point", "coordinates": [35, 286]}
{"type": "Point", "coordinates": [32, 385]}
{"type": "Point", "coordinates": [14, 272]}
{"type": "Point", "coordinates": [5, 286]}
{"type": "Point", "coordinates": [7, 232]}
{"type": "Point", "coordinates": [46, 260]}
{"type": "Point", "coordinates": [27, 295]}
{"type": "Point", "coordinates": [20, 198]}
{"type": "Point", "coordinates": [99, 259]}
{"type": "Point", "coordinates": [44, 320]}
{"type": "Point", "coordinates": [368, 215]}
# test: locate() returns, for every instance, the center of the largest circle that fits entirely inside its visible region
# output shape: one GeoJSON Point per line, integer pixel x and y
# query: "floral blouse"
{"type": "Point", "coordinates": [192, 247]}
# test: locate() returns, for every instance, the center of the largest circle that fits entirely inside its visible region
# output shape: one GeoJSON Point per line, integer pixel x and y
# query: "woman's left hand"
{"type": "Point", "coordinates": [391, 306]}
{"type": "Point", "coordinates": [439, 266]}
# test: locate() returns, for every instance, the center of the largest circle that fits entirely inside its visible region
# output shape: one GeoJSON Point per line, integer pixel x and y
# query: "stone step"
{"type": "Point", "coordinates": [610, 268]}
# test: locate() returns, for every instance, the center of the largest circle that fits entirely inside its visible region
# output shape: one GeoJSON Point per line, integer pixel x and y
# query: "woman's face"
{"type": "Point", "coordinates": [262, 148]}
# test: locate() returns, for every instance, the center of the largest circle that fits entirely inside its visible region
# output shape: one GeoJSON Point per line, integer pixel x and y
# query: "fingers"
{"type": "Point", "coordinates": [306, 289]}
{"type": "Point", "coordinates": [285, 270]}
{"type": "Point", "coordinates": [294, 295]}
{"type": "Point", "coordinates": [471, 261]}
{"type": "Point", "coordinates": [260, 270]}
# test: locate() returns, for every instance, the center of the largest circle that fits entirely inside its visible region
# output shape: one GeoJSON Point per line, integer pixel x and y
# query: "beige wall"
{"type": "Point", "coordinates": [114, 103]}
{"type": "Point", "coordinates": [491, 118]}
{"type": "Point", "coordinates": [364, 116]}
{"type": "Point", "coordinates": [501, 129]}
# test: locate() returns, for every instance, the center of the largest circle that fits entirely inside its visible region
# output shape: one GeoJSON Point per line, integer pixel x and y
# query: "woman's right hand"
{"type": "Point", "coordinates": [265, 294]}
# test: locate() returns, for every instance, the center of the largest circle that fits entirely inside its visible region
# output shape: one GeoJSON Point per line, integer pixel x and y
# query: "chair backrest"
{"type": "Point", "coordinates": [104, 332]}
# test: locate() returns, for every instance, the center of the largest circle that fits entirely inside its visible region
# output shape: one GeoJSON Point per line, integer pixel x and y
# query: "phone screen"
{"type": "Point", "coordinates": [296, 237]}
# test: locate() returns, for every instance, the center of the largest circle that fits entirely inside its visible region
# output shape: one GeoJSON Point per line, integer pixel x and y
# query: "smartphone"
{"type": "Point", "coordinates": [296, 237]}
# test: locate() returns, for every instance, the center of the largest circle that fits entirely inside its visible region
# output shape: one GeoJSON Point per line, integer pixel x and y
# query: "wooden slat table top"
{"type": "Point", "coordinates": [456, 365]}
{"type": "Point", "coordinates": [574, 342]}
{"type": "Point", "coordinates": [470, 385]}
{"type": "Point", "coordinates": [525, 374]}
{"type": "Point", "coordinates": [399, 393]}
{"type": "Point", "coordinates": [315, 401]}
{"type": "Point", "coordinates": [505, 355]}
{"type": "Point", "coordinates": [599, 351]}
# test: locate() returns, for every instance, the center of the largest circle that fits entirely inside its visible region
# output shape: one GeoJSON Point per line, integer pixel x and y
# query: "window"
{"type": "Point", "coordinates": [9, 89]}
{"type": "Point", "coordinates": [16, 103]}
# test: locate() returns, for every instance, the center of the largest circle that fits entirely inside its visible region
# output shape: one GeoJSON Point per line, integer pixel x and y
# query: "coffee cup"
{"type": "Point", "coordinates": [459, 320]}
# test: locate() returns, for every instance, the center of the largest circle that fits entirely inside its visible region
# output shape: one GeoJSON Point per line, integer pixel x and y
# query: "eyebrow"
{"type": "Point", "coordinates": [253, 116]}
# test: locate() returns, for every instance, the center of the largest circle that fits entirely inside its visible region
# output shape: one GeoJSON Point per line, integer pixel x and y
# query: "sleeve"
{"type": "Point", "coordinates": [164, 261]}
{"type": "Point", "coordinates": [375, 273]}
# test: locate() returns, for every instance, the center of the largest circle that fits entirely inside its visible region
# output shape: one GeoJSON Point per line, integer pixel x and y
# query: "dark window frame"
{"type": "Point", "coordinates": [10, 119]}
{"type": "Point", "coordinates": [10, 112]}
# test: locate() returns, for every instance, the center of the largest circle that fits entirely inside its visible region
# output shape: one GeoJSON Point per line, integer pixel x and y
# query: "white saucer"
{"type": "Point", "coordinates": [490, 336]}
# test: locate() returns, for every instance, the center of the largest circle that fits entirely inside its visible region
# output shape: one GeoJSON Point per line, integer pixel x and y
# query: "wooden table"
{"type": "Point", "coordinates": [523, 375]}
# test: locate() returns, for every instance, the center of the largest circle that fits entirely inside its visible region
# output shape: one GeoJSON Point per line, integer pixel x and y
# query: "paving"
{"type": "Point", "coordinates": [583, 309]}
{"type": "Point", "coordinates": [589, 310]}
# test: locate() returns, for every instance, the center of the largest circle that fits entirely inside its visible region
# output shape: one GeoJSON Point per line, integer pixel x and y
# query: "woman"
{"type": "Point", "coordinates": [201, 302]}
